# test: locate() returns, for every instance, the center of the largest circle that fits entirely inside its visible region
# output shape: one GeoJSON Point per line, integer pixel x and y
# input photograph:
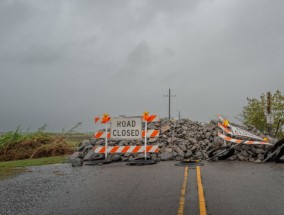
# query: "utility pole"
{"type": "Point", "coordinates": [169, 101]}
{"type": "Point", "coordinates": [179, 116]}
{"type": "Point", "coordinates": [268, 110]}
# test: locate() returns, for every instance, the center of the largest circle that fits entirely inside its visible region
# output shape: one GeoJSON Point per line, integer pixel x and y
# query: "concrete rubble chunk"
{"type": "Point", "coordinates": [75, 155]}
{"type": "Point", "coordinates": [89, 156]}
{"type": "Point", "coordinates": [165, 128]}
{"type": "Point", "coordinates": [116, 158]}
{"type": "Point", "coordinates": [76, 162]}
{"type": "Point", "coordinates": [152, 140]}
{"type": "Point", "coordinates": [167, 156]}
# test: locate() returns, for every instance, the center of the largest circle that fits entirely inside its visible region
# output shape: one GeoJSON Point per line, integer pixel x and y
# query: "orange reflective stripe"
{"type": "Point", "coordinates": [136, 149]}
{"type": "Point", "coordinates": [227, 138]}
{"type": "Point", "coordinates": [114, 149]}
{"type": "Point", "coordinates": [103, 149]}
{"type": "Point", "coordinates": [145, 117]}
{"type": "Point", "coordinates": [155, 133]}
{"type": "Point", "coordinates": [148, 148]}
{"type": "Point", "coordinates": [125, 149]}
{"type": "Point", "coordinates": [151, 133]}
{"type": "Point", "coordinates": [99, 134]}
{"type": "Point", "coordinates": [151, 118]}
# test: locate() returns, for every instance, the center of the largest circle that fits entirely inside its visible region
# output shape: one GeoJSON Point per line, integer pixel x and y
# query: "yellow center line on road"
{"type": "Point", "coordinates": [182, 194]}
{"type": "Point", "coordinates": [202, 205]}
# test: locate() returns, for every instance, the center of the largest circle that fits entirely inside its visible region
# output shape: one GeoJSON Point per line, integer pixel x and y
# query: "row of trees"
{"type": "Point", "coordinates": [255, 113]}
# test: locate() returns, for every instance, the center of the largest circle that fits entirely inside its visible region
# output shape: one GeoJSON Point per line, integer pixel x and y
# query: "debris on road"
{"type": "Point", "coordinates": [179, 139]}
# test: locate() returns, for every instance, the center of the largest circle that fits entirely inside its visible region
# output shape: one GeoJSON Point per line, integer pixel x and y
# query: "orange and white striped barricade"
{"type": "Point", "coordinates": [224, 126]}
{"type": "Point", "coordinates": [235, 131]}
{"type": "Point", "coordinates": [224, 129]}
{"type": "Point", "coordinates": [102, 134]}
{"type": "Point", "coordinates": [238, 142]}
{"type": "Point", "coordinates": [126, 149]}
{"type": "Point", "coordinates": [148, 118]}
{"type": "Point", "coordinates": [105, 119]}
{"type": "Point", "coordinates": [229, 148]}
{"type": "Point", "coordinates": [151, 133]}
{"type": "Point", "coordinates": [248, 142]}
{"type": "Point", "coordinates": [102, 120]}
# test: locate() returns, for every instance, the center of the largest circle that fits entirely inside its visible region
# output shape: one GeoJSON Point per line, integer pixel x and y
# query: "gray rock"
{"type": "Point", "coordinates": [124, 159]}
{"type": "Point", "coordinates": [260, 151]}
{"type": "Point", "coordinates": [199, 155]}
{"type": "Point", "coordinates": [131, 158]}
{"type": "Point", "coordinates": [241, 157]}
{"type": "Point", "coordinates": [152, 140]}
{"type": "Point", "coordinates": [171, 139]}
{"type": "Point", "coordinates": [169, 150]}
{"type": "Point", "coordinates": [76, 162]}
{"type": "Point", "coordinates": [244, 153]}
{"type": "Point", "coordinates": [100, 142]}
{"type": "Point", "coordinates": [233, 158]}
{"type": "Point", "coordinates": [75, 155]}
{"type": "Point", "coordinates": [258, 161]}
{"type": "Point", "coordinates": [192, 141]}
{"type": "Point", "coordinates": [127, 155]}
{"type": "Point", "coordinates": [116, 158]}
{"type": "Point", "coordinates": [80, 148]}
{"type": "Point", "coordinates": [218, 140]}
{"type": "Point", "coordinates": [260, 157]}
{"type": "Point", "coordinates": [183, 147]}
{"type": "Point", "coordinates": [165, 128]}
{"type": "Point", "coordinates": [207, 135]}
{"type": "Point", "coordinates": [188, 154]}
{"type": "Point", "coordinates": [142, 155]}
{"type": "Point", "coordinates": [89, 156]}
{"type": "Point", "coordinates": [179, 152]}
{"type": "Point", "coordinates": [251, 152]}
{"type": "Point", "coordinates": [87, 149]}
{"type": "Point", "coordinates": [161, 145]}
{"type": "Point", "coordinates": [193, 149]}
{"type": "Point", "coordinates": [123, 143]}
{"type": "Point", "coordinates": [251, 160]}
{"type": "Point", "coordinates": [93, 141]}
{"type": "Point", "coordinates": [179, 158]}
{"type": "Point", "coordinates": [151, 126]}
{"type": "Point", "coordinates": [167, 156]}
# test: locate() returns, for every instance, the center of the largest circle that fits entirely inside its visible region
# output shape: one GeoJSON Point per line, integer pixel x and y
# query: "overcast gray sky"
{"type": "Point", "coordinates": [65, 61]}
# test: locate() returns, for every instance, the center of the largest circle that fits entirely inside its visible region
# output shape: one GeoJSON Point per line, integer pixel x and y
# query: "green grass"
{"type": "Point", "coordinates": [17, 136]}
{"type": "Point", "coordinates": [11, 168]}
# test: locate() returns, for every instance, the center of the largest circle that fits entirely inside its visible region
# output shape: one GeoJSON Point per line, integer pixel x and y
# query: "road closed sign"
{"type": "Point", "coordinates": [126, 127]}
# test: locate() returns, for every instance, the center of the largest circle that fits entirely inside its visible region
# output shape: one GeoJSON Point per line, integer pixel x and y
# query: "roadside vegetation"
{"type": "Point", "coordinates": [21, 149]}
{"type": "Point", "coordinates": [11, 168]}
{"type": "Point", "coordinates": [17, 145]}
{"type": "Point", "coordinates": [255, 112]}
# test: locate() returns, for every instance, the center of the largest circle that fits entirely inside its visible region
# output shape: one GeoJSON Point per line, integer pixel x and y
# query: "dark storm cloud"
{"type": "Point", "coordinates": [65, 61]}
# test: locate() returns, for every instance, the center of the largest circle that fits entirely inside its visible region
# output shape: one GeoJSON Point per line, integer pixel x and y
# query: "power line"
{"type": "Point", "coordinates": [169, 95]}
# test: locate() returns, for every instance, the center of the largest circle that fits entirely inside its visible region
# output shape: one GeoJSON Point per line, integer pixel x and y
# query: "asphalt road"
{"type": "Point", "coordinates": [229, 188]}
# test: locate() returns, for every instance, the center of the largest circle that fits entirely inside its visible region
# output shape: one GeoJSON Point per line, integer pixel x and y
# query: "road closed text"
{"type": "Point", "coordinates": [126, 128]}
{"type": "Point", "coordinates": [127, 133]}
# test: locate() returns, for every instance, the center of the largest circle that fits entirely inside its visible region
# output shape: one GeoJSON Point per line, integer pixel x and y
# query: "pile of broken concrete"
{"type": "Point", "coordinates": [178, 140]}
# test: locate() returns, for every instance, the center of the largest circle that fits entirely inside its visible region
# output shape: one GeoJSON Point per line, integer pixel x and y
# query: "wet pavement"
{"type": "Point", "coordinates": [229, 188]}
